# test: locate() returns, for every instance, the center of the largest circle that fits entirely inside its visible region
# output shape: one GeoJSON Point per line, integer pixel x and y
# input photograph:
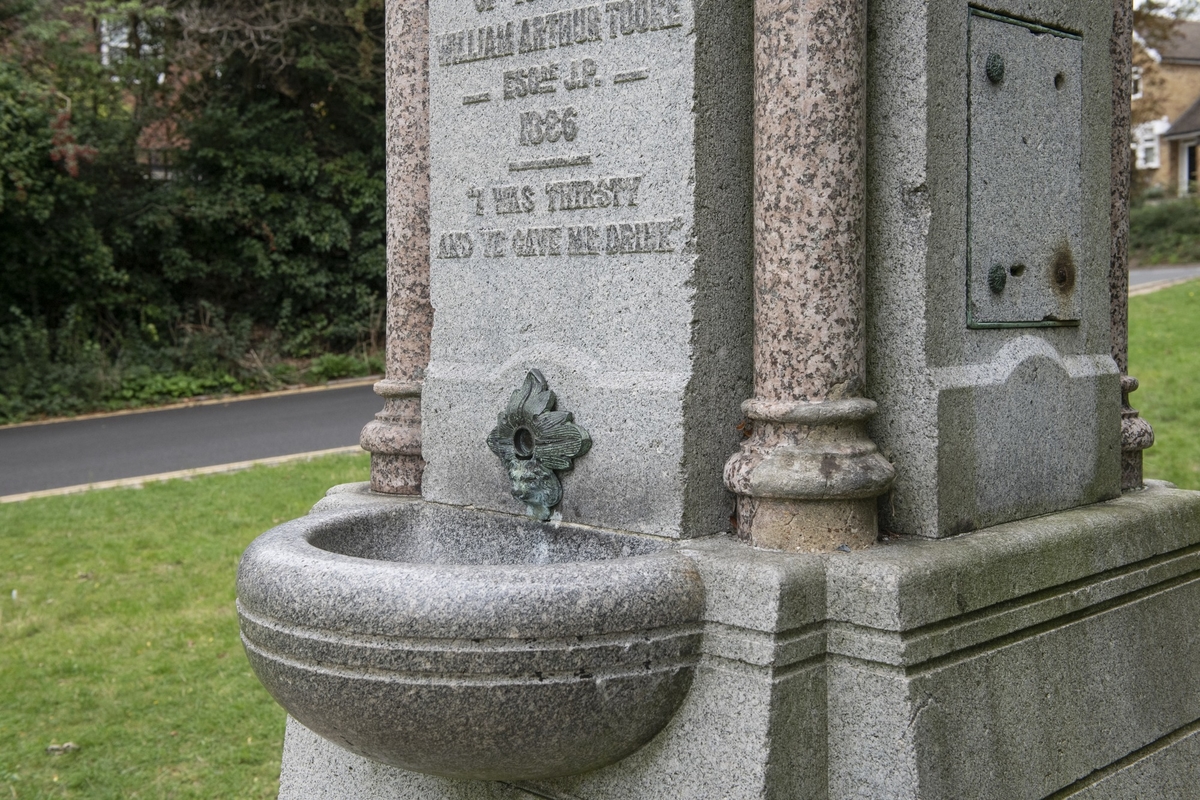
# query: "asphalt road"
{"type": "Point", "coordinates": [68, 453]}
{"type": "Point", "coordinates": [1142, 275]}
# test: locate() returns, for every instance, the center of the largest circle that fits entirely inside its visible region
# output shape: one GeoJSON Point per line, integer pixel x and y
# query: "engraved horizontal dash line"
{"type": "Point", "coordinates": [629, 77]}
{"type": "Point", "coordinates": [472, 99]}
{"type": "Point", "coordinates": [550, 163]}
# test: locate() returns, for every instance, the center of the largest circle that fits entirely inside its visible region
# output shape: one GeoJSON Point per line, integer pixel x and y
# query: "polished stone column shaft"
{"type": "Point", "coordinates": [1136, 433]}
{"type": "Point", "coordinates": [808, 475]}
{"type": "Point", "coordinates": [394, 436]}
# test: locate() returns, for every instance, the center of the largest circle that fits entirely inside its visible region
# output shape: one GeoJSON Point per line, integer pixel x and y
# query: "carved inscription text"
{"type": "Point", "coordinates": [557, 29]}
{"type": "Point", "coordinates": [554, 217]}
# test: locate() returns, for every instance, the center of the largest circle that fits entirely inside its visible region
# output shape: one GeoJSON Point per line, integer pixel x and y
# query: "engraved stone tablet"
{"type": "Point", "coordinates": [590, 218]}
{"type": "Point", "coordinates": [1026, 100]}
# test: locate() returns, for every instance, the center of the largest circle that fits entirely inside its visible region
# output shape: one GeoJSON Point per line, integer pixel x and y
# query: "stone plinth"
{"type": "Point", "coordinates": [1055, 655]}
{"type": "Point", "coordinates": [393, 439]}
{"type": "Point", "coordinates": [808, 476]}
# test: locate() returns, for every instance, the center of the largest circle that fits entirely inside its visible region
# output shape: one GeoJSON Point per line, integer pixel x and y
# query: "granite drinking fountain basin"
{"type": "Point", "coordinates": [469, 644]}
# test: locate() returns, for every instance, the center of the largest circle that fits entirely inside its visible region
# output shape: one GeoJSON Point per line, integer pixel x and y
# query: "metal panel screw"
{"type": "Point", "coordinates": [994, 67]}
{"type": "Point", "coordinates": [997, 277]}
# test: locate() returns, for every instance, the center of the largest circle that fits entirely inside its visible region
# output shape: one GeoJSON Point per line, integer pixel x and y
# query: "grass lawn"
{"type": "Point", "coordinates": [118, 633]}
{"type": "Point", "coordinates": [1164, 355]}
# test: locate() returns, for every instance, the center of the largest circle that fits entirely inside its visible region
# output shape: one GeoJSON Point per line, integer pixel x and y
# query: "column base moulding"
{"type": "Point", "coordinates": [1136, 436]}
{"type": "Point", "coordinates": [393, 439]}
{"type": "Point", "coordinates": [808, 476]}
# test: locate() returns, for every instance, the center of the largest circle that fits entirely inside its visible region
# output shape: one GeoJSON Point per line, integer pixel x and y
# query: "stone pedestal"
{"type": "Point", "coordinates": [393, 439]}
{"type": "Point", "coordinates": [808, 476]}
{"type": "Point", "coordinates": [1050, 657]}
{"type": "Point", "coordinates": [660, 208]}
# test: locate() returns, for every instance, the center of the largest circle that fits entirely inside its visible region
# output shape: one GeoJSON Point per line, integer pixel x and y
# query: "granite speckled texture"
{"type": "Point", "coordinates": [751, 727]}
{"type": "Point", "coordinates": [394, 437]}
{"type": "Point", "coordinates": [469, 644]}
{"type": "Point", "coordinates": [1052, 657]}
{"type": "Point", "coordinates": [1136, 436]}
{"type": "Point", "coordinates": [983, 426]}
{"type": "Point", "coordinates": [1050, 650]}
{"type": "Point", "coordinates": [808, 475]}
{"type": "Point", "coordinates": [1121, 48]}
{"type": "Point", "coordinates": [314, 769]}
{"type": "Point", "coordinates": [1024, 201]}
{"type": "Point", "coordinates": [1018, 661]}
{"type": "Point", "coordinates": [614, 254]}
{"type": "Point", "coordinates": [1168, 769]}
{"type": "Point", "coordinates": [1136, 433]}
{"type": "Point", "coordinates": [808, 487]}
{"type": "Point", "coordinates": [808, 199]}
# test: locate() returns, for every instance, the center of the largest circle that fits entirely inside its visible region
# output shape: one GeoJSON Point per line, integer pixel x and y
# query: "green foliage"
{"type": "Point", "coordinates": [50, 248]}
{"type": "Point", "coordinates": [1164, 328]}
{"type": "Point", "coordinates": [64, 372]}
{"type": "Point", "coordinates": [264, 226]}
{"type": "Point", "coordinates": [266, 241]}
{"type": "Point", "coordinates": [59, 372]}
{"type": "Point", "coordinates": [1165, 232]}
{"type": "Point", "coordinates": [332, 366]}
{"type": "Point", "coordinates": [118, 633]}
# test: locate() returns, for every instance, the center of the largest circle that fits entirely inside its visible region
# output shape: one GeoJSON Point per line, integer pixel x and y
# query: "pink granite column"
{"type": "Point", "coordinates": [1136, 433]}
{"type": "Point", "coordinates": [394, 436]}
{"type": "Point", "coordinates": [808, 476]}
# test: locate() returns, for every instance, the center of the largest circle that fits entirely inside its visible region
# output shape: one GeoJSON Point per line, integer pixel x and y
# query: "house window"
{"type": "Point", "coordinates": [1148, 158]}
{"type": "Point", "coordinates": [1135, 86]}
{"type": "Point", "coordinates": [1145, 143]}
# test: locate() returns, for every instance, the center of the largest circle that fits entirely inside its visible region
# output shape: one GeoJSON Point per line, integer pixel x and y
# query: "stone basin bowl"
{"type": "Point", "coordinates": [469, 644]}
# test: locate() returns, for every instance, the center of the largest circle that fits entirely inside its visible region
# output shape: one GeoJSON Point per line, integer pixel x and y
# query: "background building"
{"type": "Point", "coordinates": [1166, 109]}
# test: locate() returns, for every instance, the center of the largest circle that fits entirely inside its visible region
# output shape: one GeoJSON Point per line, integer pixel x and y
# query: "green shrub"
{"type": "Point", "coordinates": [332, 366]}
{"type": "Point", "coordinates": [1166, 232]}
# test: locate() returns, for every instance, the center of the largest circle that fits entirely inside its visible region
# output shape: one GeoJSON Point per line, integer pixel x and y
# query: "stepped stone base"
{"type": "Point", "coordinates": [1056, 657]}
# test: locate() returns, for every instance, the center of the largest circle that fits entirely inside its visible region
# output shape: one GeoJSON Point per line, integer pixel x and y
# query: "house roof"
{"type": "Point", "coordinates": [1184, 45]}
{"type": "Point", "coordinates": [1187, 124]}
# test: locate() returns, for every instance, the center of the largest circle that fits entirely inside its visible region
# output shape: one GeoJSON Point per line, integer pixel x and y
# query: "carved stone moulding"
{"type": "Point", "coordinates": [1136, 436]}
{"type": "Point", "coordinates": [808, 475]}
{"type": "Point", "coordinates": [393, 439]}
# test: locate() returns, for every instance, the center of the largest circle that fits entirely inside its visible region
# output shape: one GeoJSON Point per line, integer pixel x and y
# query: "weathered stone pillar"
{"type": "Point", "coordinates": [394, 436]}
{"type": "Point", "coordinates": [1136, 433]}
{"type": "Point", "coordinates": [808, 476]}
